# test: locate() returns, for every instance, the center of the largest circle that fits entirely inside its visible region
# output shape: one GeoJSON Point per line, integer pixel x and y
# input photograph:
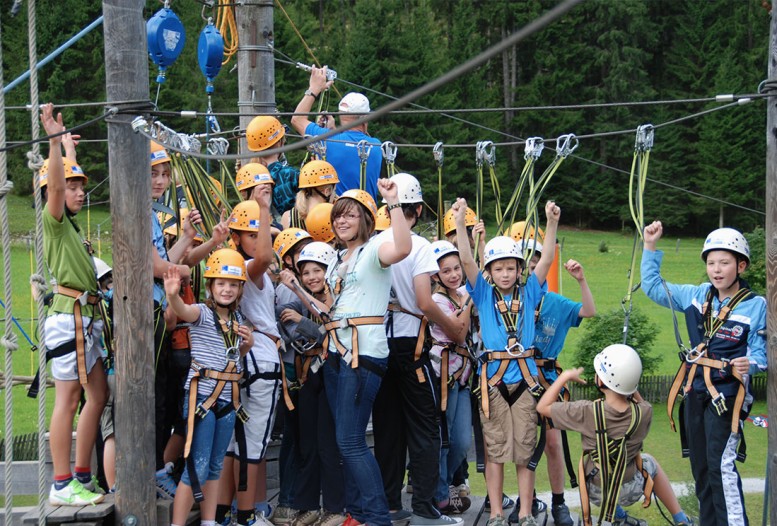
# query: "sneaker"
{"type": "Point", "coordinates": [529, 520]}
{"type": "Point", "coordinates": [690, 522]}
{"type": "Point", "coordinates": [507, 503]}
{"type": "Point", "coordinates": [94, 486]}
{"type": "Point", "coordinates": [537, 507]}
{"type": "Point", "coordinates": [628, 520]}
{"type": "Point", "coordinates": [165, 485]}
{"type": "Point", "coordinates": [283, 515]}
{"type": "Point", "coordinates": [497, 521]}
{"type": "Point", "coordinates": [561, 516]}
{"type": "Point", "coordinates": [227, 519]}
{"type": "Point", "coordinates": [456, 505]}
{"type": "Point", "coordinates": [261, 520]}
{"type": "Point", "coordinates": [74, 494]}
{"type": "Point", "coordinates": [442, 520]}
{"type": "Point", "coordinates": [327, 518]}
{"type": "Point", "coordinates": [305, 518]}
{"type": "Point", "coordinates": [350, 521]}
{"type": "Point", "coordinates": [400, 516]}
{"type": "Point", "coordinates": [462, 490]}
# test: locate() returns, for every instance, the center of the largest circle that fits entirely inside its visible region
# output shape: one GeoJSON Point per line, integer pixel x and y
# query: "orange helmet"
{"type": "Point", "coordinates": [264, 131]}
{"type": "Point", "coordinates": [245, 216]}
{"type": "Point", "coordinates": [319, 222]}
{"type": "Point", "coordinates": [252, 174]}
{"type": "Point", "coordinates": [518, 231]}
{"type": "Point", "coordinates": [449, 223]}
{"type": "Point", "coordinates": [226, 263]}
{"type": "Point", "coordinates": [158, 154]}
{"type": "Point", "coordinates": [317, 173]}
{"type": "Point", "coordinates": [71, 170]}
{"type": "Point", "coordinates": [287, 239]}
{"type": "Point", "coordinates": [382, 219]}
{"type": "Point", "coordinates": [364, 199]}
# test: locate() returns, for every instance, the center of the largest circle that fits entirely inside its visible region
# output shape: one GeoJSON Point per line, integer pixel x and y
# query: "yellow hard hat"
{"type": "Point", "coordinates": [158, 154]}
{"type": "Point", "coordinates": [245, 216]}
{"type": "Point", "coordinates": [287, 239]}
{"type": "Point", "coordinates": [519, 231]}
{"type": "Point", "coordinates": [364, 199]}
{"type": "Point", "coordinates": [226, 263]}
{"type": "Point", "coordinates": [449, 223]}
{"type": "Point", "coordinates": [317, 173]}
{"type": "Point", "coordinates": [252, 174]}
{"type": "Point", "coordinates": [382, 219]}
{"type": "Point", "coordinates": [72, 170]}
{"type": "Point", "coordinates": [264, 131]}
{"type": "Point", "coordinates": [319, 222]}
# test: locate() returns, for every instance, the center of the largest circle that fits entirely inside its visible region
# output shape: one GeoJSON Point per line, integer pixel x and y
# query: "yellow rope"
{"type": "Point", "coordinates": [302, 39]}
{"type": "Point", "coordinates": [225, 23]}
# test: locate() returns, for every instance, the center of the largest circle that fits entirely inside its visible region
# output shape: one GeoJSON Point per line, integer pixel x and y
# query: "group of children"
{"type": "Point", "coordinates": [339, 315]}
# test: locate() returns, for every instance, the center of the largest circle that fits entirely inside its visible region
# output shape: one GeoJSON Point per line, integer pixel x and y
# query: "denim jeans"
{"type": "Point", "coordinates": [351, 393]}
{"type": "Point", "coordinates": [210, 441]}
{"type": "Point", "coordinates": [459, 417]}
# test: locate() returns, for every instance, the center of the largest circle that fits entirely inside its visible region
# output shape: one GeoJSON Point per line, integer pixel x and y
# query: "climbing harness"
{"type": "Point", "coordinates": [363, 148]}
{"type": "Point", "coordinates": [692, 359]}
{"type": "Point", "coordinates": [610, 463]}
{"type": "Point", "coordinates": [418, 355]}
{"type": "Point", "coordinates": [639, 165]}
{"type": "Point", "coordinates": [389, 150]}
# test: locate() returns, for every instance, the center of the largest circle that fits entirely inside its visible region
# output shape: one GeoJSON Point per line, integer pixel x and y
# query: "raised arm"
{"type": "Point", "coordinates": [217, 239]}
{"type": "Point", "coordinates": [390, 253]}
{"type": "Point", "coordinates": [551, 395]}
{"type": "Point", "coordinates": [264, 253]}
{"type": "Point", "coordinates": [454, 327]}
{"type": "Point", "coordinates": [317, 85]}
{"type": "Point", "coordinates": [188, 313]}
{"type": "Point", "coordinates": [553, 214]}
{"type": "Point", "coordinates": [55, 186]}
{"type": "Point", "coordinates": [575, 269]}
{"type": "Point", "coordinates": [471, 269]}
{"type": "Point", "coordinates": [312, 304]}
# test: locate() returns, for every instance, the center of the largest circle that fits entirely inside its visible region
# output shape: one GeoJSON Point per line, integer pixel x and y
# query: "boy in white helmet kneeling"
{"type": "Point", "coordinates": [614, 427]}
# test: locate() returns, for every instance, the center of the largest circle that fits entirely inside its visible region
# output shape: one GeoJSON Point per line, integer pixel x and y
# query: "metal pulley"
{"type": "Point", "coordinates": [210, 53]}
{"type": "Point", "coordinates": [166, 37]}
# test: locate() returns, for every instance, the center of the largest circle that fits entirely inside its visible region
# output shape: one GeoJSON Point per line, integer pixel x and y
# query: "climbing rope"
{"type": "Point", "coordinates": [642, 146]}
{"type": "Point", "coordinates": [225, 22]}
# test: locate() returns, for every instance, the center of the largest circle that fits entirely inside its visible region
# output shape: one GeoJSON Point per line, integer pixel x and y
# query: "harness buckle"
{"type": "Point", "coordinates": [509, 349]}
{"type": "Point", "coordinates": [719, 403]}
{"type": "Point", "coordinates": [536, 390]}
{"type": "Point", "coordinates": [242, 414]}
{"type": "Point", "coordinates": [201, 411]}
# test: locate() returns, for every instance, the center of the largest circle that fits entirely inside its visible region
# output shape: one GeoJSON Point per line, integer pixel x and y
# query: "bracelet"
{"type": "Point", "coordinates": [389, 208]}
{"type": "Point", "coordinates": [310, 93]}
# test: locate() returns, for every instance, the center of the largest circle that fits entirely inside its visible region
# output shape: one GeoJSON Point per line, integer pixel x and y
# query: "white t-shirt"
{"type": "Point", "coordinates": [420, 261]}
{"type": "Point", "coordinates": [365, 292]}
{"type": "Point", "coordinates": [258, 305]}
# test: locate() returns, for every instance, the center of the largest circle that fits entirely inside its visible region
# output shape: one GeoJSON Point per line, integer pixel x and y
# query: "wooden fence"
{"type": "Point", "coordinates": [655, 389]}
{"type": "Point", "coordinates": [25, 447]}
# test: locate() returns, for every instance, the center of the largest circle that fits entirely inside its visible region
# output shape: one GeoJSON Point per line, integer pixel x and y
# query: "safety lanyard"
{"type": "Point", "coordinates": [228, 330]}
{"type": "Point", "coordinates": [512, 317]}
{"type": "Point", "coordinates": [389, 150]}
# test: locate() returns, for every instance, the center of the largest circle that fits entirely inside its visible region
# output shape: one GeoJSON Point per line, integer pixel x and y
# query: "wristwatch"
{"type": "Point", "coordinates": [311, 94]}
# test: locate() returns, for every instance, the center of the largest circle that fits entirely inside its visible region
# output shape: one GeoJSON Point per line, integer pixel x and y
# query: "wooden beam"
{"type": "Point", "coordinates": [126, 79]}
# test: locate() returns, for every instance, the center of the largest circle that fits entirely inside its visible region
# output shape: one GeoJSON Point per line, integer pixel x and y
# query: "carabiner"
{"type": "Point", "coordinates": [479, 148]}
{"type": "Point", "coordinates": [439, 155]}
{"type": "Point", "coordinates": [489, 153]}
{"type": "Point", "coordinates": [509, 350]}
{"type": "Point", "coordinates": [533, 148]}
{"type": "Point", "coordinates": [233, 353]}
{"type": "Point", "coordinates": [566, 144]}
{"type": "Point", "coordinates": [694, 355]}
{"type": "Point", "coordinates": [644, 141]}
{"type": "Point", "coordinates": [363, 147]}
{"type": "Point", "coordinates": [317, 148]}
{"type": "Point", "coordinates": [389, 150]}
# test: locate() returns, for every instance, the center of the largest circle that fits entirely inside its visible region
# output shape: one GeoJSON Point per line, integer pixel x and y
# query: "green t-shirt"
{"type": "Point", "coordinates": [68, 261]}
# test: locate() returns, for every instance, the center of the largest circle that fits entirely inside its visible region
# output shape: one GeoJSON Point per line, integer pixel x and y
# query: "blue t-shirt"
{"type": "Point", "coordinates": [557, 315]}
{"type": "Point", "coordinates": [493, 331]}
{"type": "Point", "coordinates": [345, 158]}
{"type": "Point", "coordinates": [158, 239]}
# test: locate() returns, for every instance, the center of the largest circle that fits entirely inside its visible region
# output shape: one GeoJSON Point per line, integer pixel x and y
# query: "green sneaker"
{"type": "Point", "coordinates": [74, 494]}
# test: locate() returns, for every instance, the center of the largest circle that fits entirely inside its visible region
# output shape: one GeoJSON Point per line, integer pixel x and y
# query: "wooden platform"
{"type": "Point", "coordinates": [94, 515]}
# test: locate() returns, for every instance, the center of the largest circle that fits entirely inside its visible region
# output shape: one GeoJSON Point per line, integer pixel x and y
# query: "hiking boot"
{"type": "Point", "coordinates": [283, 515]}
{"type": "Point", "coordinates": [456, 505]}
{"type": "Point", "coordinates": [327, 518]}
{"type": "Point", "coordinates": [561, 516]}
{"type": "Point", "coordinates": [305, 518]}
{"type": "Point", "coordinates": [165, 485]}
{"type": "Point", "coordinates": [497, 521]}
{"type": "Point", "coordinates": [74, 494]}
{"type": "Point", "coordinates": [442, 520]}
{"type": "Point", "coordinates": [529, 520]}
{"type": "Point", "coordinates": [507, 503]}
{"type": "Point", "coordinates": [400, 516]}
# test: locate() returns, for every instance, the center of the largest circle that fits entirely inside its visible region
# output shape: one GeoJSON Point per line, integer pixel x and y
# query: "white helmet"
{"type": "Point", "coordinates": [526, 246]}
{"type": "Point", "coordinates": [619, 368]}
{"type": "Point", "coordinates": [101, 267]}
{"type": "Point", "coordinates": [316, 251]}
{"type": "Point", "coordinates": [501, 247]}
{"type": "Point", "coordinates": [443, 248]}
{"type": "Point", "coordinates": [408, 189]}
{"type": "Point", "coordinates": [726, 239]}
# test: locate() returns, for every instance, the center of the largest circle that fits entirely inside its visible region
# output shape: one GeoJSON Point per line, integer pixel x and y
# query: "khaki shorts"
{"type": "Point", "coordinates": [632, 490]}
{"type": "Point", "coordinates": [510, 433]}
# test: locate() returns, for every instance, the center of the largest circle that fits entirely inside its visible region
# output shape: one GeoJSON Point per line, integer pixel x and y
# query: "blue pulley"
{"type": "Point", "coordinates": [166, 38]}
{"type": "Point", "coordinates": [210, 54]}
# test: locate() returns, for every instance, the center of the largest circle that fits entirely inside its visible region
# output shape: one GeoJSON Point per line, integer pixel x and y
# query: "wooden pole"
{"type": "Point", "coordinates": [126, 79]}
{"type": "Point", "coordinates": [771, 265]}
{"type": "Point", "coordinates": [255, 65]}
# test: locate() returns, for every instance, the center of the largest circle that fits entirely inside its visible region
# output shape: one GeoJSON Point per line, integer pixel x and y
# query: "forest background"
{"type": "Point", "coordinates": [603, 51]}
